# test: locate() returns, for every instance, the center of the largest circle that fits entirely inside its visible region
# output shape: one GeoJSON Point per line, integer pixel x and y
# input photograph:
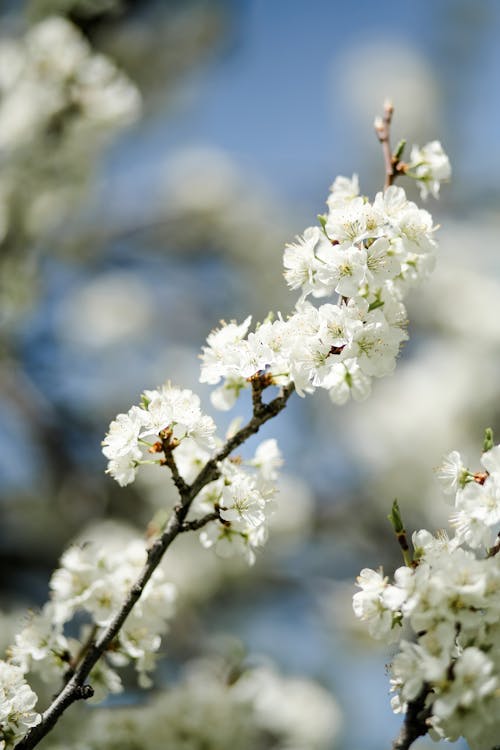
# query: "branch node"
{"type": "Point", "coordinates": [136, 590]}
{"type": "Point", "coordinates": [84, 692]}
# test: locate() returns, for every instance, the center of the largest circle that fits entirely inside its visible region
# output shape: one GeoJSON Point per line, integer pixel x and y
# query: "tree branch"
{"type": "Point", "coordinates": [382, 125]}
{"type": "Point", "coordinates": [262, 413]}
{"type": "Point", "coordinates": [415, 723]}
{"type": "Point", "coordinates": [198, 523]}
{"type": "Point", "coordinates": [73, 664]}
{"type": "Point", "coordinates": [169, 460]}
{"type": "Point", "coordinates": [76, 689]}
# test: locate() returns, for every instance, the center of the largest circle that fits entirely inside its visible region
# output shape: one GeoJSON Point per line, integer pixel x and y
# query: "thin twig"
{"type": "Point", "coordinates": [496, 547]}
{"type": "Point", "coordinates": [265, 412]}
{"type": "Point", "coordinates": [382, 125]}
{"type": "Point", "coordinates": [76, 688]}
{"type": "Point", "coordinates": [415, 723]}
{"type": "Point", "coordinates": [169, 460]}
{"type": "Point", "coordinates": [198, 523]}
{"type": "Point", "coordinates": [73, 664]}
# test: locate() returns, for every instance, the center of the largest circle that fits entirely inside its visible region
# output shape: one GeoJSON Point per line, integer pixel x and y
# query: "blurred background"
{"type": "Point", "coordinates": [138, 213]}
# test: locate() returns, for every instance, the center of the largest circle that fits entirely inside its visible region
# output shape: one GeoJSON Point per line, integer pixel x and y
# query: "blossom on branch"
{"type": "Point", "coordinates": [430, 166]}
{"type": "Point", "coordinates": [448, 600]}
{"type": "Point", "coordinates": [17, 702]}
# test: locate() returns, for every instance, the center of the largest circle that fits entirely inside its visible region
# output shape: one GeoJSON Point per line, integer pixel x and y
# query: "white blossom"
{"type": "Point", "coordinates": [243, 499]}
{"type": "Point", "coordinates": [166, 409]}
{"type": "Point", "coordinates": [431, 166]}
{"type": "Point", "coordinates": [448, 602]}
{"type": "Point", "coordinates": [452, 473]}
{"type": "Point", "coordinates": [346, 380]}
{"type": "Point", "coordinates": [54, 71]}
{"type": "Point", "coordinates": [96, 581]}
{"type": "Point", "coordinates": [222, 357]}
{"type": "Point", "coordinates": [17, 701]}
{"type": "Point", "coordinates": [242, 504]}
{"type": "Point", "coordinates": [369, 604]}
{"type": "Point", "coordinates": [302, 264]}
{"type": "Point", "coordinates": [343, 190]}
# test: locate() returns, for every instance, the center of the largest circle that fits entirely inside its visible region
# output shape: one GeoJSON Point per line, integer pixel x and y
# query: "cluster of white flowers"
{"type": "Point", "coordinates": [448, 600]}
{"type": "Point", "coordinates": [95, 581]}
{"type": "Point", "coordinates": [17, 701]}
{"type": "Point", "coordinates": [218, 704]}
{"type": "Point", "coordinates": [164, 410]}
{"type": "Point", "coordinates": [368, 255]}
{"type": "Point", "coordinates": [243, 497]}
{"type": "Point", "coordinates": [60, 101]}
{"type": "Point", "coordinates": [53, 74]}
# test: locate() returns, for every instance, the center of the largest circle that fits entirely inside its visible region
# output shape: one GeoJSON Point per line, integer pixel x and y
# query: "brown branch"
{"type": "Point", "coordinates": [415, 723]}
{"type": "Point", "coordinates": [382, 125]}
{"type": "Point", "coordinates": [260, 381]}
{"type": "Point", "coordinates": [496, 547]}
{"type": "Point", "coordinates": [198, 523]}
{"type": "Point", "coordinates": [73, 663]}
{"type": "Point", "coordinates": [169, 460]}
{"type": "Point", "coordinates": [262, 413]}
{"type": "Point", "coordinates": [76, 687]}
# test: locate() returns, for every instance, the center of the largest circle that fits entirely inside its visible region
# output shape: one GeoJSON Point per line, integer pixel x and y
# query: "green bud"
{"type": "Point", "coordinates": [395, 518]}
{"type": "Point", "coordinates": [322, 218]}
{"type": "Point", "coordinates": [488, 441]}
{"type": "Point", "coordinates": [398, 153]}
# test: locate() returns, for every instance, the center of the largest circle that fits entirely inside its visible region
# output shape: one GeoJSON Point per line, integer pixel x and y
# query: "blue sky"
{"type": "Point", "coordinates": [272, 96]}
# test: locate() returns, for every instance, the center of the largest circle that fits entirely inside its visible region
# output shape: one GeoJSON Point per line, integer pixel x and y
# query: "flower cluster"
{"type": "Point", "coordinates": [167, 412]}
{"type": "Point", "coordinates": [52, 77]}
{"type": "Point", "coordinates": [242, 498]}
{"type": "Point", "coordinates": [365, 254]}
{"type": "Point", "coordinates": [60, 102]}
{"type": "Point", "coordinates": [477, 497]}
{"type": "Point", "coordinates": [95, 581]}
{"type": "Point", "coordinates": [220, 704]}
{"type": "Point", "coordinates": [17, 701]}
{"type": "Point", "coordinates": [448, 600]}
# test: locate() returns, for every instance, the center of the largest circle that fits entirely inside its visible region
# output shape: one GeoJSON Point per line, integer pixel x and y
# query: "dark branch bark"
{"type": "Point", "coordinates": [415, 723]}
{"type": "Point", "coordinates": [199, 523]}
{"type": "Point", "coordinates": [76, 687]}
{"type": "Point", "coordinates": [169, 461]}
